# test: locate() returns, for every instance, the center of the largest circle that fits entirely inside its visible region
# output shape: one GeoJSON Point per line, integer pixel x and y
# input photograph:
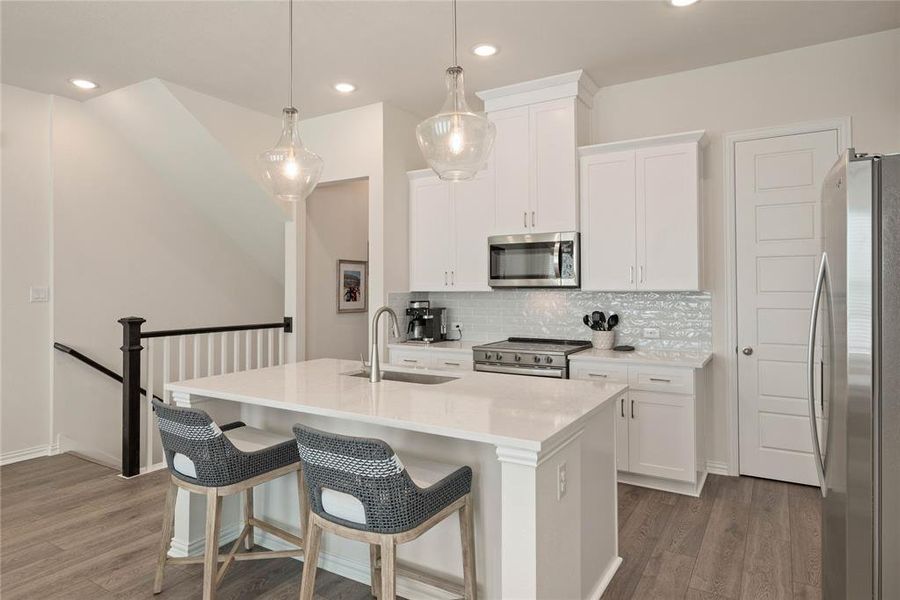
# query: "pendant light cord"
{"type": "Point", "coordinates": [291, 49]}
{"type": "Point", "coordinates": [455, 58]}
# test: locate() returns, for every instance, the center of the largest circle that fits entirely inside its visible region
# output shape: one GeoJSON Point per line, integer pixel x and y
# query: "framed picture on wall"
{"type": "Point", "coordinates": [353, 285]}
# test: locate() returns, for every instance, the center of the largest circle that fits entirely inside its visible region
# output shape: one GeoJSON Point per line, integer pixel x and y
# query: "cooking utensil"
{"type": "Point", "coordinates": [587, 321]}
{"type": "Point", "coordinates": [599, 320]}
{"type": "Point", "coordinates": [612, 321]}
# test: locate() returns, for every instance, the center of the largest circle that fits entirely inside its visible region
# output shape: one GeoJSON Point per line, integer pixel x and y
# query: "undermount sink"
{"type": "Point", "coordinates": [423, 378]}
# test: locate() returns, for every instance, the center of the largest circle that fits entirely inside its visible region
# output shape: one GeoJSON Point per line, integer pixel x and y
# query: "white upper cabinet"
{"type": "Point", "coordinates": [448, 229]}
{"type": "Point", "coordinates": [535, 164]}
{"type": "Point", "coordinates": [640, 205]}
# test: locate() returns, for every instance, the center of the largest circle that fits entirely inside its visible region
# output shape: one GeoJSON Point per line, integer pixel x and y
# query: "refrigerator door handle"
{"type": "Point", "coordinates": [811, 373]}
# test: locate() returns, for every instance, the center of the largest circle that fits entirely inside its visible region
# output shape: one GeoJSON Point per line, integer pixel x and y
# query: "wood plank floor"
{"type": "Point", "coordinates": [73, 529]}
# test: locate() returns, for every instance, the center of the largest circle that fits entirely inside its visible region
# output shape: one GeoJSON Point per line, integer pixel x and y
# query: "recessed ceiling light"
{"type": "Point", "coordinates": [681, 3]}
{"type": "Point", "coordinates": [83, 84]}
{"type": "Point", "coordinates": [344, 88]}
{"type": "Point", "coordinates": [484, 50]}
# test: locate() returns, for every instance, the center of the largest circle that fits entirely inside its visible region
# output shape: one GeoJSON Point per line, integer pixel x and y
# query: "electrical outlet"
{"type": "Point", "coordinates": [651, 333]}
{"type": "Point", "coordinates": [562, 481]}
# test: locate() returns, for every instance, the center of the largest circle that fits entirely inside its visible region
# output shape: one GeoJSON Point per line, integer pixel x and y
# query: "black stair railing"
{"type": "Point", "coordinates": [131, 376]}
{"type": "Point", "coordinates": [95, 365]}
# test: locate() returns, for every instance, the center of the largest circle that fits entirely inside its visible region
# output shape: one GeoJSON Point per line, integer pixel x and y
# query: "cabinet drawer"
{"type": "Point", "coordinates": [599, 372]}
{"type": "Point", "coordinates": [662, 379]}
{"type": "Point", "coordinates": [409, 359]}
{"type": "Point", "coordinates": [450, 360]}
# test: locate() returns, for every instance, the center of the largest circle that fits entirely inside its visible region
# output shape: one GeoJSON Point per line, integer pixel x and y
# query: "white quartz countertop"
{"type": "Point", "coordinates": [660, 358]}
{"type": "Point", "coordinates": [461, 347]}
{"type": "Point", "coordinates": [529, 413]}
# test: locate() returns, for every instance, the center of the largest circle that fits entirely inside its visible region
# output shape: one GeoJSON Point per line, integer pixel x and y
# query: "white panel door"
{"type": "Point", "coordinates": [430, 236]}
{"type": "Point", "coordinates": [778, 230]}
{"type": "Point", "coordinates": [510, 166]}
{"type": "Point", "coordinates": [473, 222]}
{"type": "Point", "coordinates": [668, 217]}
{"type": "Point", "coordinates": [661, 435]}
{"type": "Point", "coordinates": [608, 260]}
{"type": "Point", "coordinates": [554, 189]}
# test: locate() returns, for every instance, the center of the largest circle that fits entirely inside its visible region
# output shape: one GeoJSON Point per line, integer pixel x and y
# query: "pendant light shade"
{"type": "Point", "coordinates": [456, 142]}
{"type": "Point", "coordinates": [290, 169]}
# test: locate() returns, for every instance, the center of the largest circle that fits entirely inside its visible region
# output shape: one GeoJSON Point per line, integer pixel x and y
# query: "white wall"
{"type": "Point", "coordinates": [857, 77]}
{"type": "Point", "coordinates": [25, 256]}
{"type": "Point", "coordinates": [85, 212]}
{"type": "Point", "coordinates": [337, 228]}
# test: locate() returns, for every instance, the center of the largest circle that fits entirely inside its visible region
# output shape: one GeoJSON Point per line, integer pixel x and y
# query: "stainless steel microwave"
{"type": "Point", "coordinates": [535, 260]}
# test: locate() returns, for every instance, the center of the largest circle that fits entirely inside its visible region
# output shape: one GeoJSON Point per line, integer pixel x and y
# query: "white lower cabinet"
{"type": "Point", "coordinates": [659, 440]}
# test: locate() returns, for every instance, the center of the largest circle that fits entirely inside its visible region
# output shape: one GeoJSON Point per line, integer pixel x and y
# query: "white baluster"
{"type": "Point", "coordinates": [271, 335]}
{"type": "Point", "coordinates": [182, 357]}
{"type": "Point", "coordinates": [151, 375]}
{"type": "Point", "coordinates": [210, 354]}
{"type": "Point", "coordinates": [248, 359]}
{"type": "Point", "coordinates": [167, 367]}
{"type": "Point", "coordinates": [236, 363]}
{"type": "Point", "coordinates": [281, 349]}
{"type": "Point", "coordinates": [196, 371]}
{"type": "Point", "coordinates": [260, 348]}
{"type": "Point", "coordinates": [223, 348]}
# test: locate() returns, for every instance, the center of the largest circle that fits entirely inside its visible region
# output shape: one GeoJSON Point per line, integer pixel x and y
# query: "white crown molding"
{"type": "Point", "coordinates": [685, 137]}
{"type": "Point", "coordinates": [574, 84]}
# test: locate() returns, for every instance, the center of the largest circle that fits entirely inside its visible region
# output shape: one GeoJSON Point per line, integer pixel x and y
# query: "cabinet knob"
{"type": "Point", "coordinates": [747, 350]}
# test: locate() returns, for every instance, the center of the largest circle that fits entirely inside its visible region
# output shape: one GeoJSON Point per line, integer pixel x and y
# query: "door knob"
{"type": "Point", "coordinates": [747, 350]}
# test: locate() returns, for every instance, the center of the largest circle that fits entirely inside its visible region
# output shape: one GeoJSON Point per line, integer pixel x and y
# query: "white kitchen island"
{"type": "Point", "coordinates": [542, 452]}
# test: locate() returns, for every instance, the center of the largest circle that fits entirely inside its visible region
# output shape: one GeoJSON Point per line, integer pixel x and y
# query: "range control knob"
{"type": "Point", "coordinates": [548, 359]}
{"type": "Point", "coordinates": [499, 356]}
{"type": "Point", "coordinates": [537, 359]}
{"type": "Point", "coordinates": [487, 356]}
{"type": "Point", "coordinates": [518, 358]}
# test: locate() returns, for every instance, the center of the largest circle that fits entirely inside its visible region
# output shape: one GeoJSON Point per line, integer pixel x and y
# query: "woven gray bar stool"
{"type": "Point", "coordinates": [204, 458]}
{"type": "Point", "coordinates": [360, 490]}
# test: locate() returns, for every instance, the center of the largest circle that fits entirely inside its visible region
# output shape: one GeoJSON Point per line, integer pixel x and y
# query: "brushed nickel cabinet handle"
{"type": "Point", "coordinates": [452, 364]}
{"type": "Point", "coordinates": [622, 407]}
{"type": "Point", "coordinates": [631, 274]}
{"type": "Point", "coordinates": [632, 409]}
{"type": "Point", "coordinates": [532, 218]}
{"type": "Point", "coordinates": [445, 277]}
{"type": "Point", "coordinates": [660, 380]}
{"type": "Point", "coordinates": [411, 360]}
{"type": "Point", "coordinates": [525, 218]}
{"type": "Point", "coordinates": [597, 375]}
{"type": "Point", "coordinates": [452, 277]}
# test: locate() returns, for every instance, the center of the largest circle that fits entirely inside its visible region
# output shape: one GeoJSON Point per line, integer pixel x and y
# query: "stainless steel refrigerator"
{"type": "Point", "coordinates": [855, 335]}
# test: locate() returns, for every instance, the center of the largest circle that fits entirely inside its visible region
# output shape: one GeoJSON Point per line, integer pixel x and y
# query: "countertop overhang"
{"type": "Point", "coordinates": [513, 411]}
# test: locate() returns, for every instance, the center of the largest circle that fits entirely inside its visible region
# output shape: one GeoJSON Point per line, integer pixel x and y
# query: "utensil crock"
{"type": "Point", "coordinates": [603, 340]}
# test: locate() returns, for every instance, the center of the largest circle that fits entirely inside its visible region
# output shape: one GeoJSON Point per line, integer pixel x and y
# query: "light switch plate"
{"type": "Point", "coordinates": [651, 333]}
{"type": "Point", "coordinates": [38, 294]}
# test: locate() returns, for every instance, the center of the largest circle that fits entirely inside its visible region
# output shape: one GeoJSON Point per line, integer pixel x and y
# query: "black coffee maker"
{"type": "Point", "coordinates": [426, 324]}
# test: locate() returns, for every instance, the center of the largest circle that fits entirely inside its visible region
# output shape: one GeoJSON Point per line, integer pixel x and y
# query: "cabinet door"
{"type": "Point", "coordinates": [510, 165]}
{"type": "Point", "coordinates": [608, 259]}
{"type": "Point", "coordinates": [553, 175]}
{"type": "Point", "coordinates": [668, 224]}
{"type": "Point", "coordinates": [622, 418]}
{"type": "Point", "coordinates": [473, 221]}
{"type": "Point", "coordinates": [430, 234]}
{"type": "Point", "coordinates": [661, 435]}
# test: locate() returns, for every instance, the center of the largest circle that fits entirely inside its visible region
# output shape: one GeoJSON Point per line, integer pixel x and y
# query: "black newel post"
{"type": "Point", "coordinates": [131, 395]}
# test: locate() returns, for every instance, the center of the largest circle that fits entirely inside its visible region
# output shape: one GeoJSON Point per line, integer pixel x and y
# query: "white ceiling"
{"type": "Point", "coordinates": [396, 51]}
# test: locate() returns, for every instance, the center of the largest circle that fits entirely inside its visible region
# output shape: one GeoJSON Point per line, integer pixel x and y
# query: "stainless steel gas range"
{"type": "Point", "coordinates": [528, 356]}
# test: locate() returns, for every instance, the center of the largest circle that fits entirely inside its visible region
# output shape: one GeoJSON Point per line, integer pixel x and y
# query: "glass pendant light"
{"type": "Point", "coordinates": [291, 170]}
{"type": "Point", "coordinates": [456, 142]}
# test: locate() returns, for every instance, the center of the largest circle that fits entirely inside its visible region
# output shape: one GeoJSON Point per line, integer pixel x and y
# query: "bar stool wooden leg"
{"type": "Point", "coordinates": [211, 553]}
{"type": "Point", "coordinates": [467, 535]}
{"type": "Point", "coordinates": [248, 515]}
{"type": "Point", "coordinates": [388, 568]}
{"type": "Point", "coordinates": [310, 560]}
{"type": "Point", "coordinates": [303, 494]}
{"type": "Point", "coordinates": [375, 568]}
{"type": "Point", "coordinates": [167, 531]}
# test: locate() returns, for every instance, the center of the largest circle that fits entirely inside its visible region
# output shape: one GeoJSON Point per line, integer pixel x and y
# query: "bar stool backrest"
{"type": "Point", "coordinates": [367, 469]}
{"type": "Point", "coordinates": [193, 433]}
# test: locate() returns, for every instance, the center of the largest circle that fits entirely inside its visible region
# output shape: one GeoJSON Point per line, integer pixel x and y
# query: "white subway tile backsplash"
{"type": "Point", "coordinates": [684, 319]}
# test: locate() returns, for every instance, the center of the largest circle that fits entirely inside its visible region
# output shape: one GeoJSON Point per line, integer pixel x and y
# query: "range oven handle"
{"type": "Point", "coordinates": [540, 372]}
{"type": "Point", "coordinates": [559, 259]}
{"type": "Point", "coordinates": [821, 280]}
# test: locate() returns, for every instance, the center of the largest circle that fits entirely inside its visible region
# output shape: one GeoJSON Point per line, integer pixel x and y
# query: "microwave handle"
{"type": "Point", "coordinates": [559, 259]}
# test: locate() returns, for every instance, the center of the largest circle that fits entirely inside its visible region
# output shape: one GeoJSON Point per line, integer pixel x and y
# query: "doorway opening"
{"type": "Point", "coordinates": [336, 310]}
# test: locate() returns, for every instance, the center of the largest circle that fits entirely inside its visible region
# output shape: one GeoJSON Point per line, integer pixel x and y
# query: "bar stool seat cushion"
{"type": "Point", "coordinates": [424, 474]}
{"type": "Point", "coordinates": [245, 439]}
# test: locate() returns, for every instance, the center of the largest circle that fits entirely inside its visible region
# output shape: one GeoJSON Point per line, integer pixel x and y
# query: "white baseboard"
{"type": "Point", "coordinates": [666, 485]}
{"type": "Point", "coordinates": [14, 456]}
{"type": "Point", "coordinates": [229, 533]}
{"type": "Point", "coordinates": [356, 570]}
{"type": "Point", "coordinates": [608, 574]}
{"type": "Point", "coordinates": [66, 444]}
{"type": "Point", "coordinates": [717, 467]}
